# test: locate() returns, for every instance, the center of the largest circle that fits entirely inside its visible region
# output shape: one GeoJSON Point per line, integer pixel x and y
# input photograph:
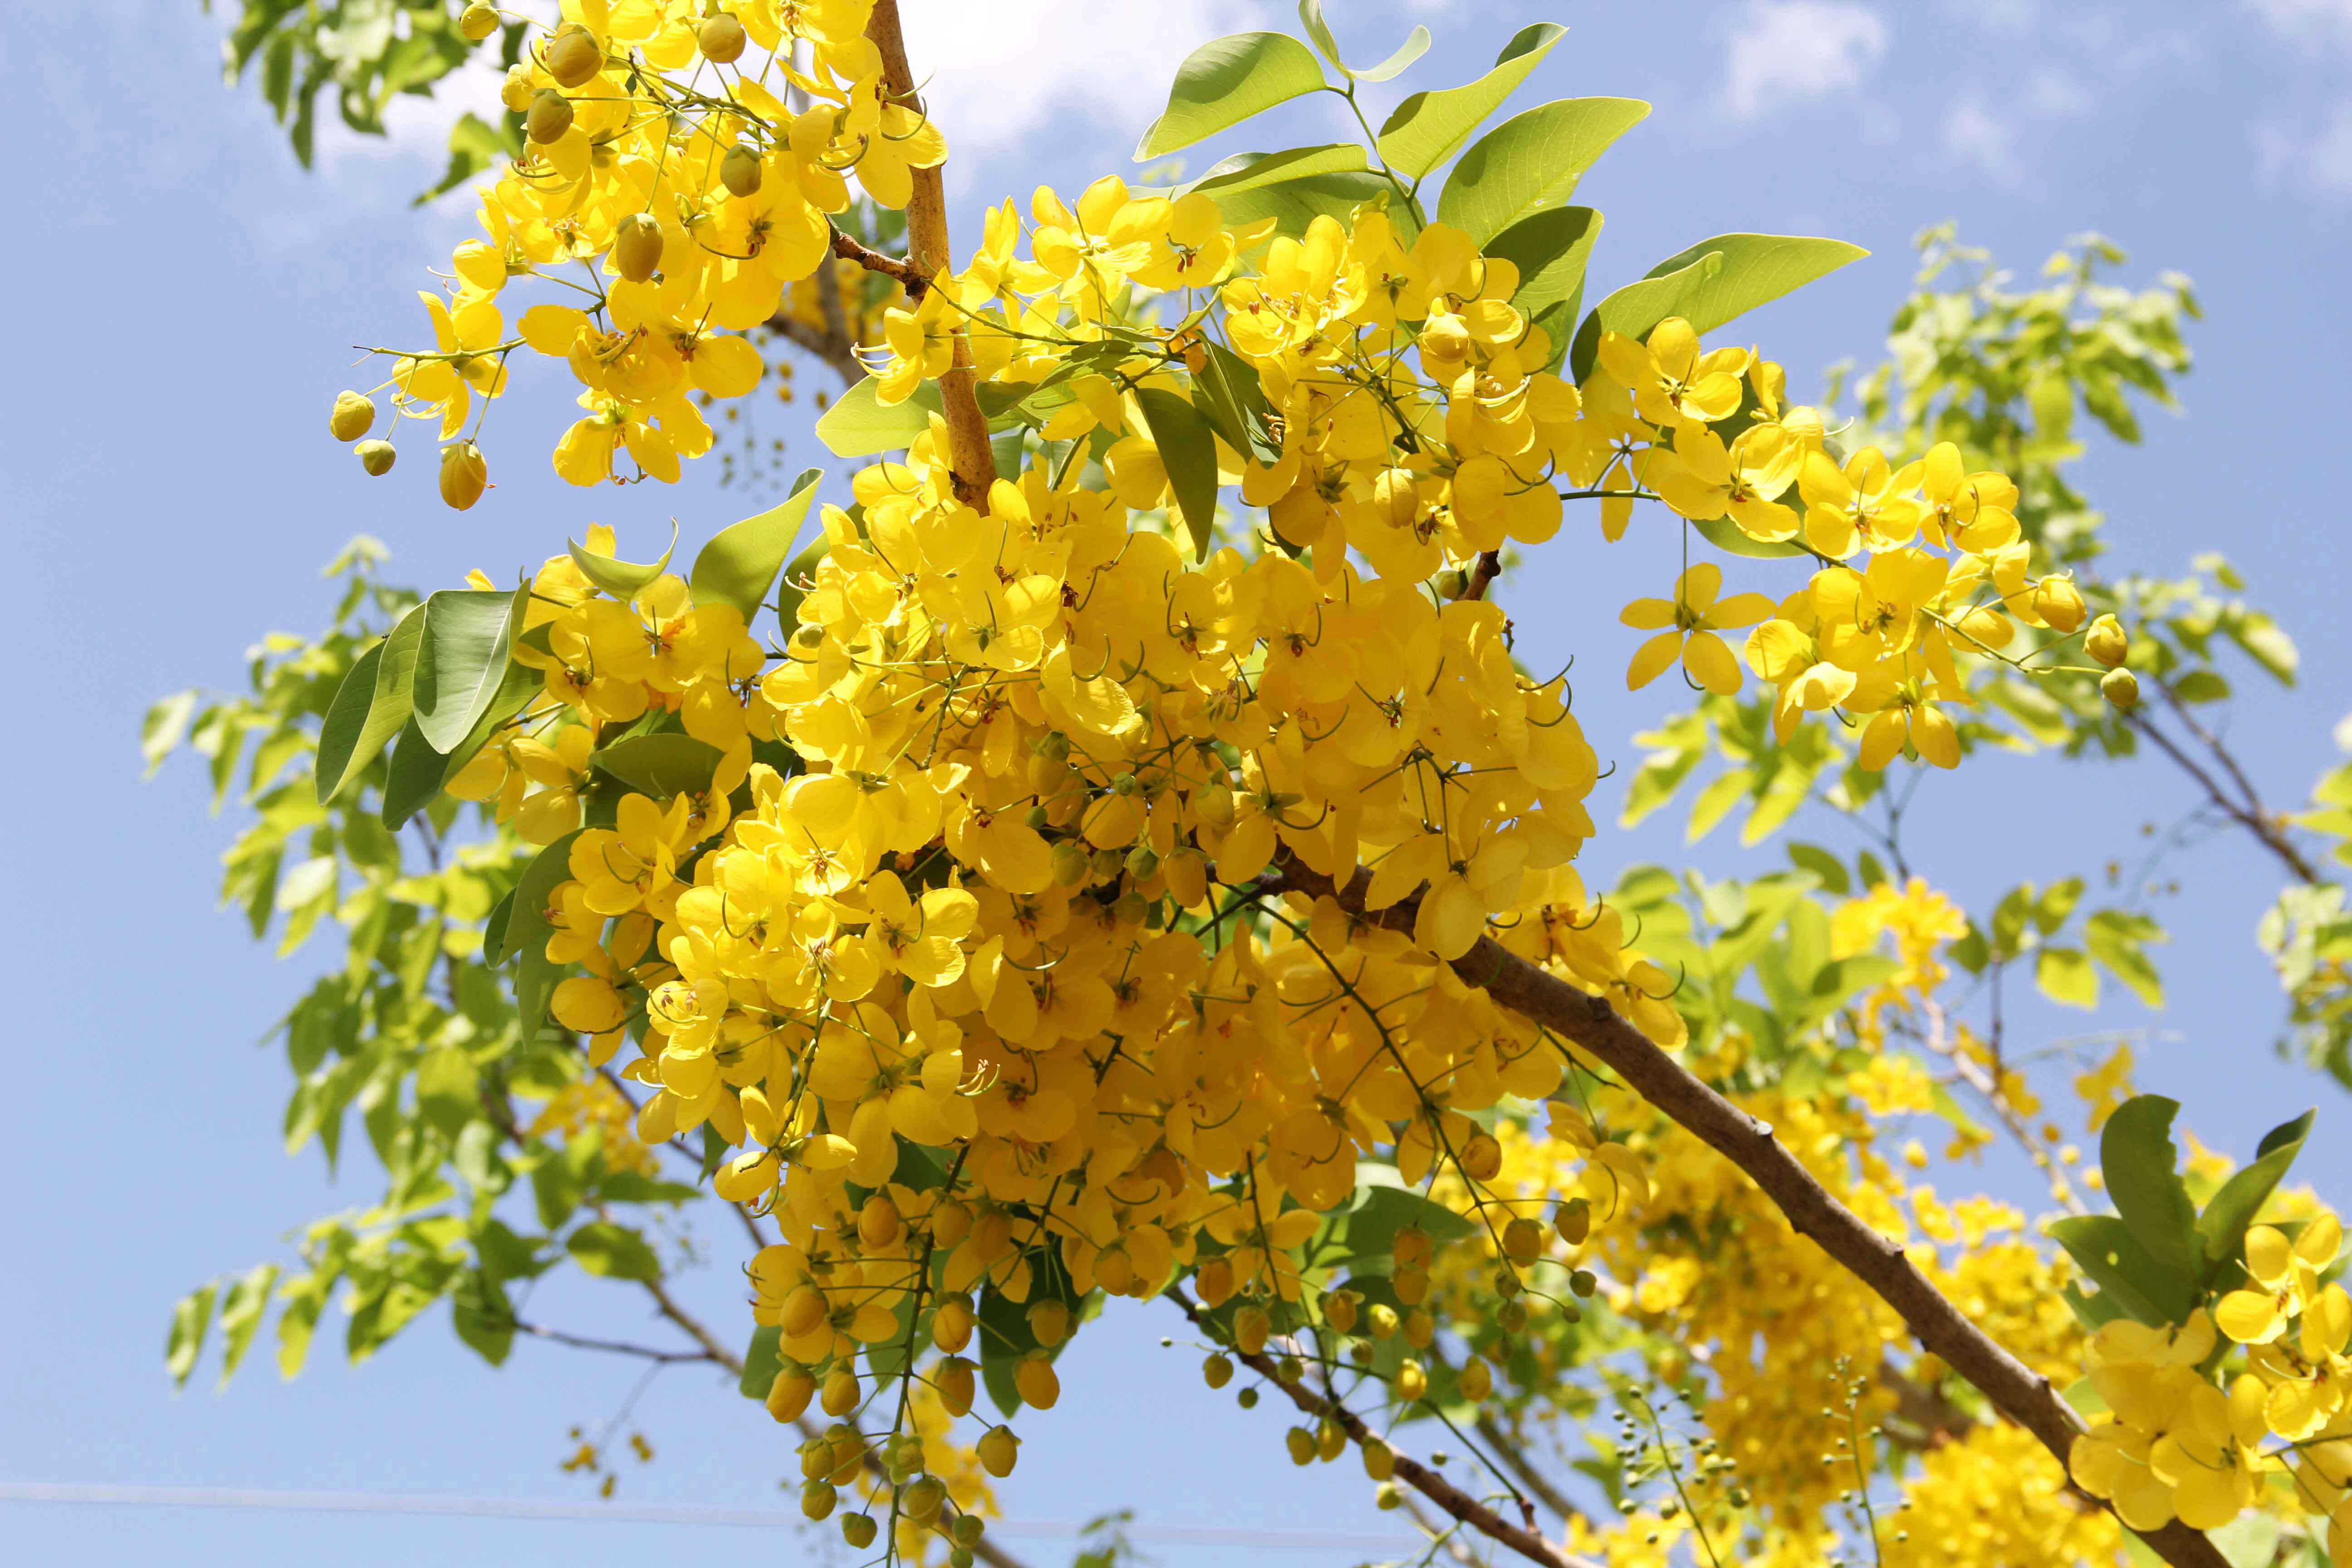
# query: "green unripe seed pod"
{"type": "Point", "coordinates": [376, 456]}
{"type": "Point", "coordinates": [464, 475]}
{"type": "Point", "coordinates": [857, 1529]}
{"type": "Point", "coordinates": [1511, 1317]}
{"type": "Point", "coordinates": [1387, 1498]}
{"type": "Point", "coordinates": [638, 247]}
{"type": "Point", "coordinates": [352, 415]}
{"type": "Point", "coordinates": [1246, 1398]}
{"type": "Point", "coordinates": [998, 1450]}
{"type": "Point", "coordinates": [1036, 818]}
{"type": "Point", "coordinates": [549, 118]}
{"type": "Point", "coordinates": [1574, 1221]}
{"type": "Point", "coordinates": [2120, 688]}
{"type": "Point", "coordinates": [572, 56]}
{"type": "Point", "coordinates": [740, 171]}
{"type": "Point", "coordinates": [722, 39]}
{"type": "Point", "coordinates": [479, 22]}
{"type": "Point", "coordinates": [1071, 864]}
{"type": "Point", "coordinates": [959, 1557]}
{"type": "Point", "coordinates": [1106, 864]}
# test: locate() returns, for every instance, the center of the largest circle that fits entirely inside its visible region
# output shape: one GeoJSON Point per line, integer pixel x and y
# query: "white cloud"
{"type": "Point", "coordinates": [2321, 162]}
{"type": "Point", "coordinates": [1974, 137]}
{"type": "Point", "coordinates": [997, 73]}
{"type": "Point", "coordinates": [2307, 21]}
{"type": "Point", "coordinates": [1801, 48]}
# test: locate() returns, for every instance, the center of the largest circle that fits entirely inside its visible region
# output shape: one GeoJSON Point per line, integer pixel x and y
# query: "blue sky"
{"type": "Point", "coordinates": [187, 296]}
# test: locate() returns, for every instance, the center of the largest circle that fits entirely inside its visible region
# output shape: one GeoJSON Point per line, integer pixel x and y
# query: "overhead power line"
{"type": "Point", "coordinates": [556, 1508]}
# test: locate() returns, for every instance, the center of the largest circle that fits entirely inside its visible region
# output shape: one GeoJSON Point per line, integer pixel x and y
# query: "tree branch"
{"type": "Point", "coordinates": [1515, 1459]}
{"type": "Point", "coordinates": [1412, 1472]}
{"type": "Point", "coordinates": [616, 1347]}
{"type": "Point", "coordinates": [1812, 1210]}
{"type": "Point", "coordinates": [2249, 813]}
{"type": "Point", "coordinates": [973, 465]}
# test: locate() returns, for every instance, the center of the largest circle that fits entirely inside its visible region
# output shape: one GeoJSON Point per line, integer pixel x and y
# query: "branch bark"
{"type": "Point", "coordinates": [971, 461]}
{"type": "Point", "coordinates": [1460, 1504]}
{"type": "Point", "coordinates": [2248, 814]}
{"type": "Point", "coordinates": [1812, 1210]}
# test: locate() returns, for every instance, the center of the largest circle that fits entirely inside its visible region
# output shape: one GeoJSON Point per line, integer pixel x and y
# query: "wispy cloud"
{"type": "Point", "coordinates": [1782, 50]}
{"type": "Point", "coordinates": [2307, 21]}
{"type": "Point", "coordinates": [1974, 137]}
{"type": "Point", "coordinates": [2320, 161]}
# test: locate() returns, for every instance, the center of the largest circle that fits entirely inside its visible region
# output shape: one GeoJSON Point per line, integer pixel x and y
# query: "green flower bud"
{"type": "Point", "coordinates": [921, 1501]}
{"type": "Point", "coordinates": [2121, 688]}
{"type": "Point", "coordinates": [967, 1530]}
{"type": "Point", "coordinates": [376, 456]}
{"type": "Point", "coordinates": [352, 417]}
{"type": "Point", "coordinates": [1071, 863]}
{"type": "Point", "coordinates": [1141, 862]}
{"type": "Point", "coordinates": [739, 170]}
{"type": "Point", "coordinates": [857, 1529]}
{"type": "Point", "coordinates": [572, 56]}
{"type": "Point", "coordinates": [479, 22]}
{"type": "Point", "coordinates": [549, 118]}
{"type": "Point", "coordinates": [817, 1499]}
{"type": "Point", "coordinates": [638, 247]}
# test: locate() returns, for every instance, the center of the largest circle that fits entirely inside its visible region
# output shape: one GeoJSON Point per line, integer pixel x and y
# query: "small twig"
{"type": "Point", "coordinates": [616, 1347]}
{"type": "Point", "coordinates": [2250, 817]}
{"type": "Point", "coordinates": [1515, 1459]}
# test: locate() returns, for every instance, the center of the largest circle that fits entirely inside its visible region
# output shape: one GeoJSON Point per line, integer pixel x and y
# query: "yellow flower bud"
{"type": "Point", "coordinates": [2058, 604]}
{"type": "Point", "coordinates": [376, 456]}
{"type": "Point", "coordinates": [803, 1309]}
{"type": "Point", "coordinates": [1476, 1381]}
{"type": "Point", "coordinates": [1381, 1319]}
{"type": "Point", "coordinates": [1251, 1327]}
{"type": "Point", "coordinates": [840, 1395]}
{"type": "Point", "coordinates": [1035, 1381]}
{"type": "Point", "coordinates": [354, 413]}
{"type": "Point", "coordinates": [548, 117]}
{"type": "Point", "coordinates": [791, 1392]}
{"type": "Point", "coordinates": [1380, 1459]}
{"type": "Point", "coordinates": [1215, 1280]}
{"type": "Point", "coordinates": [1049, 1321]}
{"type": "Point", "coordinates": [1481, 1158]}
{"type": "Point", "coordinates": [1574, 1221]}
{"type": "Point", "coordinates": [1301, 1444]}
{"type": "Point", "coordinates": [857, 1529]}
{"type": "Point", "coordinates": [951, 1223]}
{"type": "Point", "coordinates": [1522, 1240]}
{"type": "Point", "coordinates": [998, 1450]}
{"type": "Point", "coordinates": [922, 1502]}
{"type": "Point", "coordinates": [515, 91]}
{"type": "Point", "coordinates": [479, 21]}
{"type": "Point", "coordinates": [1412, 1380]}
{"type": "Point", "coordinates": [952, 1379]}
{"type": "Point", "coordinates": [721, 38]}
{"type": "Point", "coordinates": [739, 170]}
{"type": "Point", "coordinates": [2107, 641]}
{"type": "Point", "coordinates": [572, 56]}
{"type": "Point", "coordinates": [816, 1500]}
{"type": "Point", "coordinates": [878, 1221]}
{"type": "Point", "coordinates": [1412, 1246]}
{"type": "Point", "coordinates": [463, 475]}
{"type": "Point", "coordinates": [1389, 1497]}
{"type": "Point", "coordinates": [638, 247]}
{"type": "Point", "coordinates": [1339, 1311]}
{"type": "Point", "coordinates": [952, 1324]}
{"type": "Point", "coordinates": [2121, 688]}
{"type": "Point", "coordinates": [1988, 627]}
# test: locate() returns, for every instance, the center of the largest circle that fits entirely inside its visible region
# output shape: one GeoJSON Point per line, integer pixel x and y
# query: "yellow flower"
{"type": "Point", "coordinates": [2285, 1274]}
{"type": "Point", "coordinates": [1693, 616]}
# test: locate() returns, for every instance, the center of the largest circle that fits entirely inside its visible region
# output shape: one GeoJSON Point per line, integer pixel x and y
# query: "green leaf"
{"type": "Point", "coordinates": [241, 1315]}
{"type": "Point", "coordinates": [859, 425]}
{"type": "Point", "coordinates": [1367, 1229]}
{"type": "Point", "coordinates": [527, 930]}
{"type": "Point", "coordinates": [449, 1089]}
{"type": "Point", "coordinates": [1824, 865]}
{"type": "Point", "coordinates": [1225, 81]}
{"type": "Point", "coordinates": [2103, 1247]}
{"type": "Point", "coordinates": [2140, 1166]}
{"type": "Point", "coordinates": [165, 726]}
{"type": "Point", "coordinates": [1425, 129]}
{"type": "Point", "coordinates": [1531, 163]}
{"type": "Point", "coordinates": [1550, 249]}
{"type": "Point", "coordinates": [1757, 269]}
{"type": "Point", "coordinates": [663, 764]}
{"type": "Point", "coordinates": [475, 147]}
{"type": "Point", "coordinates": [1254, 171]}
{"type": "Point", "coordinates": [740, 564]}
{"type": "Point", "coordinates": [2223, 1225]}
{"type": "Point", "coordinates": [762, 1361]}
{"type": "Point", "coordinates": [1310, 16]}
{"type": "Point", "coordinates": [613, 1251]}
{"type": "Point", "coordinates": [622, 579]}
{"type": "Point", "coordinates": [482, 1316]}
{"type": "Point", "coordinates": [2066, 977]}
{"type": "Point", "coordinates": [1189, 452]}
{"type": "Point", "coordinates": [2117, 940]}
{"type": "Point", "coordinates": [1417, 44]}
{"type": "Point", "coordinates": [368, 707]}
{"type": "Point", "coordinates": [414, 777]}
{"type": "Point", "coordinates": [191, 1321]}
{"type": "Point", "coordinates": [1637, 307]}
{"type": "Point", "coordinates": [461, 662]}
{"type": "Point", "coordinates": [1295, 203]}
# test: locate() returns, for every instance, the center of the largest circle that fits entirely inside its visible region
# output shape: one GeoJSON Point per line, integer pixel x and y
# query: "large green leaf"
{"type": "Point", "coordinates": [613, 1252]}
{"type": "Point", "coordinates": [1226, 80]}
{"type": "Point", "coordinates": [368, 707]}
{"type": "Point", "coordinates": [1415, 44]}
{"type": "Point", "coordinates": [527, 931]}
{"type": "Point", "coordinates": [1367, 1229]}
{"type": "Point", "coordinates": [740, 564]}
{"type": "Point", "coordinates": [1639, 306]}
{"type": "Point", "coordinates": [2140, 1166]}
{"type": "Point", "coordinates": [1250, 171]}
{"type": "Point", "coordinates": [1427, 128]}
{"type": "Point", "coordinates": [2223, 1225]}
{"type": "Point", "coordinates": [462, 659]}
{"type": "Point", "coordinates": [1550, 249]}
{"type": "Point", "coordinates": [2103, 1247]}
{"type": "Point", "coordinates": [858, 425]}
{"type": "Point", "coordinates": [1294, 204]}
{"type": "Point", "coordinates": [1757, 269]}
{"type": "Point", "coordinates": [661, 765]}
{"type": "Point", "coordinates": [761, 1363]}
{"type": "Point", "coordinates": [413, 776]}
{"type": "Point", "coordinates": [622, 579]}
{"type": "Point", "coordinates": [1189, 451]}
{"type": "Point", "coordinates": [1532, 162]}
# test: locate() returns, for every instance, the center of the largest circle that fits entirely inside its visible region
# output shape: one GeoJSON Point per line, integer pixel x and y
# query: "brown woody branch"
{"type": "Point", "coordinates": [2248, 812]}
{"type": "Point", "coordinates": [972, 463]}
{"type": "Point", "coordinates": [2022, 1394]}
{"type": "Point", "coordinates": [1456, 1502]}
